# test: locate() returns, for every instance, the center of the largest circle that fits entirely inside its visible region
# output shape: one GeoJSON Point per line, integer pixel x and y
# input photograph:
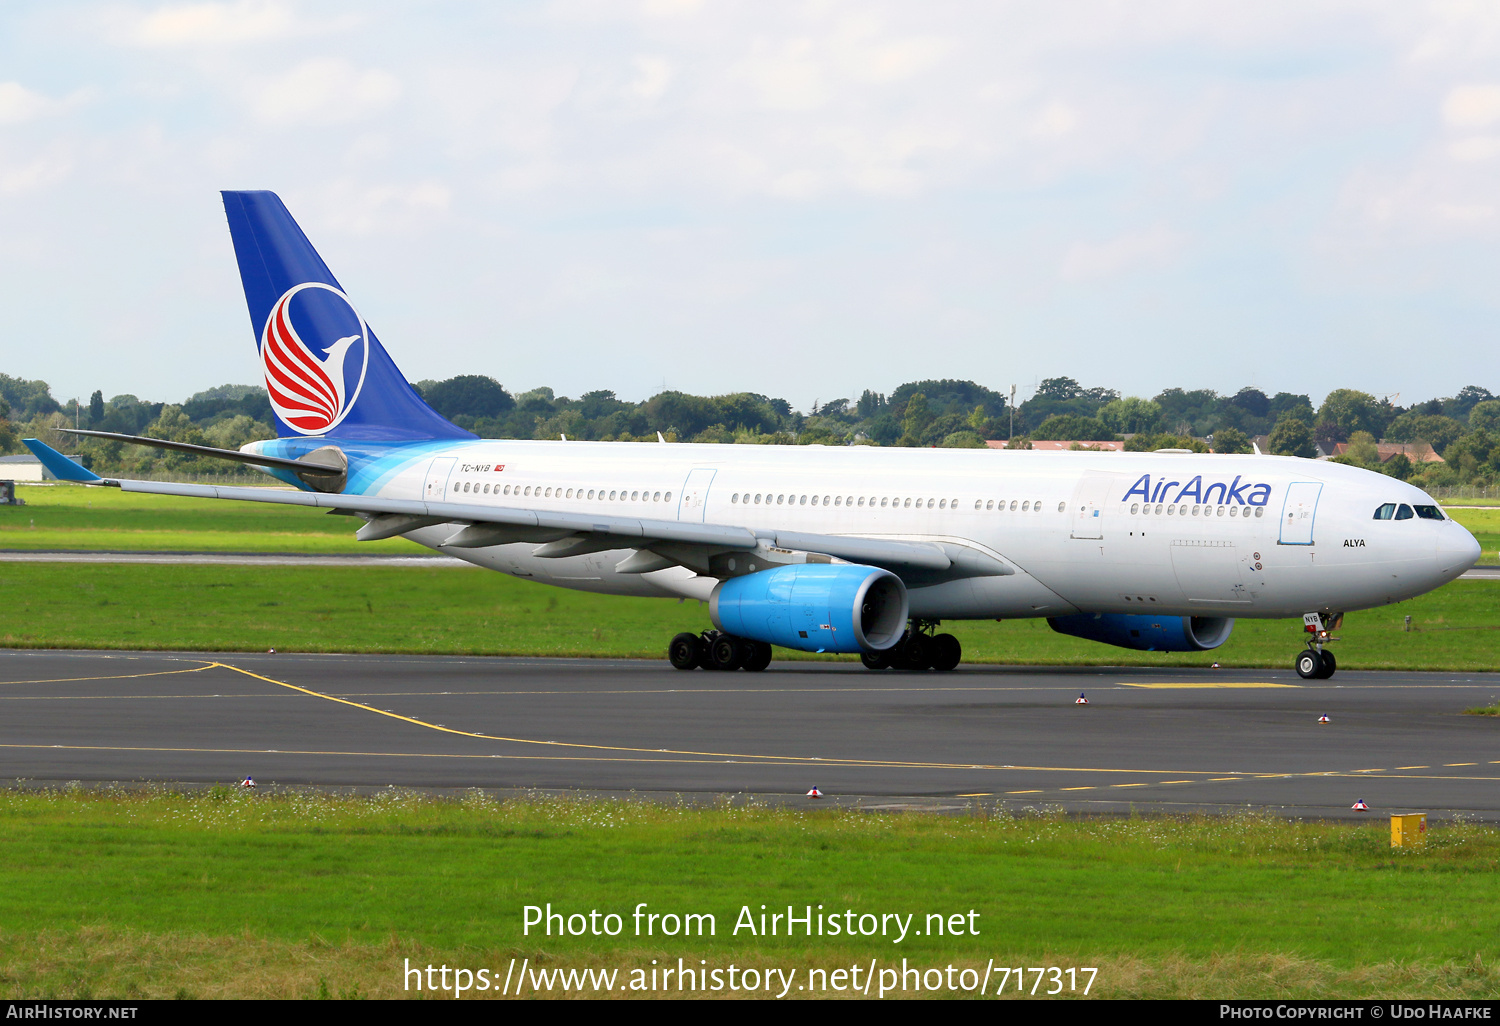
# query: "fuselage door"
{"type": "Point", "coordinates": [695, 494]}
{"type": "Point", "coordinates": [1210, 570]}
{"type": "Point", "coordinates": [1299, 513]}
{"type": "Point", "coordinates": [1087, 508]}
{"type": "Point", "coordinates": [437, 478]}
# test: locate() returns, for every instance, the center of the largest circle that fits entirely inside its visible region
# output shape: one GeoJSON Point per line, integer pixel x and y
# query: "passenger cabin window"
{"type": "Point", "coordinates": [1403, 512]}
{"type": "Point", "coordinates": [1430, 513]}
{"type": "Point", "coordinates": [1387, 511]}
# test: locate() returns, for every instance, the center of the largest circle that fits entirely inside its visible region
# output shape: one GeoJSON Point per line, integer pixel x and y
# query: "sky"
{"type": "Point", "coordinates": [798, 199]}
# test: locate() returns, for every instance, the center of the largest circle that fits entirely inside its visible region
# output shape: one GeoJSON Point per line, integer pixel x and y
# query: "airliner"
{"type": "Point", "coordinates": [840, 549]}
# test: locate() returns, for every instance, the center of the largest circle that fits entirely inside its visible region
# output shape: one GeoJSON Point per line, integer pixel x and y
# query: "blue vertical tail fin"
{"type": "Point", "coordinates": [325, 371]}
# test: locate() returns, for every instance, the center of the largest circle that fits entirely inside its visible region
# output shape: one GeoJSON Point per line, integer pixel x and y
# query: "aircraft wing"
{"type": "Point", "coordinates": [694, 545]}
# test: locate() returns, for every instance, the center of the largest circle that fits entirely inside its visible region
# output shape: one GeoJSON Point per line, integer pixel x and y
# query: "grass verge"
{"type": "Point", "coordinates": [461, 611]}
{"type": "Point", "coordinates": [78, 517]}
{"type": "Point", "coordinates": [221, 894]}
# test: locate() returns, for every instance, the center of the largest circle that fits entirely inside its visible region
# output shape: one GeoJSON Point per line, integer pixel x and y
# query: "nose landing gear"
{"type": "Point", "coordinates": [1317, 662]}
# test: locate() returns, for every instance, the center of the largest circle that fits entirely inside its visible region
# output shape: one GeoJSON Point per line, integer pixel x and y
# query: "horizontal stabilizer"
{"type": "Point", "coordinates": [61, 467]}
{"type": "Point", "coordinates": [234, 455]}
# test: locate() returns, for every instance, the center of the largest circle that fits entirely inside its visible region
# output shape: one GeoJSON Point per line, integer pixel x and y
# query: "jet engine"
{"type": "Point", "coordinates": [815, 607]}
{"type": "Point", "coordinates": [1147, 633]}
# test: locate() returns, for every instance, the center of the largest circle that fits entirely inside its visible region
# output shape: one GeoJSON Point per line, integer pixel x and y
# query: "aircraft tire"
{"type": "Point", "coordinates": [1308, 664]}
{"type": "Point", "coordinates": [1330, 664]}
{"type": "Point", "coordinates": [684, 652]}
{"type": "Point", "coordinates": [726, 653]}
{"type": "Point", "coordinates": [876, 660]}
{"type": "Point", "coordinates": [916, 652]}
{"type": "Point", "coordinates": [947, 653]}
{"type": "Point", "coordinates": [759, 657]}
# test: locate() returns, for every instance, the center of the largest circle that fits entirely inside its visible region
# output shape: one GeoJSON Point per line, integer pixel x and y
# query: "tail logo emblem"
{"type": "Point", "coordinates": [313, 387]}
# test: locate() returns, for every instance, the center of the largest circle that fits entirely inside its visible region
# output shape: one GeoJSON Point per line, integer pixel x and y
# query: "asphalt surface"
{"type": "Point", "coordinates": [1174, 740]}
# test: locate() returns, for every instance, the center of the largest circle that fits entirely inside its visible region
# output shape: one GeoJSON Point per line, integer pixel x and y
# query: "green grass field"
{"type": "Point", "coordinates": [1485, 526]}
{"type": "Point", "coordinates": [79, 517]}
{"type": "Point", "coordinates": [470, 611]}
{"type": "Point", "coordinates": [219, 894]}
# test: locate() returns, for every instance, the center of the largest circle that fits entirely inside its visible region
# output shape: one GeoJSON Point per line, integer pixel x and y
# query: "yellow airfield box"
{"type": "Point", "coordinates": [1407, 831]}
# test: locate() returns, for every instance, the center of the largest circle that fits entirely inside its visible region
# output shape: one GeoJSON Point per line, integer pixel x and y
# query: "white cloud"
{"type": "Point", "coordinates": [515, 108]}
{"type": "Point", "coordinates": [652, 76]}
{"type": "Point", "coordinates": [323, 91]}
{"type": "Point", "coordinates": [868, 51]}
{"type": "Point", "coordinates": [18, 104]}
{"type": "Point", "coordinates": [1472, 106]}
{"type": "Point", "coordinates": [785, 75]}
{"type": "Point", "coordinates": [671, 8]}
{"type": "Point", "coordinates": [362, 209]}
{"type": "Point", "coordinates": [1056, 119]}
{"type": "Point", "coordinates": [1091, 260]}
{"type": "Point", "coordinates": [1475, 148]}
{"type": "Point", "coordinates": [1466, 213]}
{"type": "Point", "coordinates": [245, 21]}
{"type": "Point", "coordinates": [33, 175]}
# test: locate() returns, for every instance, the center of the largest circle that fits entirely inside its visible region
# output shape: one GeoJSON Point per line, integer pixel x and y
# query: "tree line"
{"type": "Point", "coordinates": [1464, 429]}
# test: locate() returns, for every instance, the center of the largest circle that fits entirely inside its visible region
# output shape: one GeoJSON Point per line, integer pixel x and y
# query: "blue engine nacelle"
{"type": "Point", "coordinates": [1147, 633]}
{"type": "Point", "coordinates": [816, 607]}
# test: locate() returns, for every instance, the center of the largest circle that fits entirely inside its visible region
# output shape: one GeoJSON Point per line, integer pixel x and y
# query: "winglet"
{"type": "Point", "coordinates": [62, 468]}
{"type": "Point", "coordinates": [1257, 449]}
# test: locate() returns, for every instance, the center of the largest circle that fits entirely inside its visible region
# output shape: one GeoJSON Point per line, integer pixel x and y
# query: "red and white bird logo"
{"type": "Point", "coordinates": [309, 393]}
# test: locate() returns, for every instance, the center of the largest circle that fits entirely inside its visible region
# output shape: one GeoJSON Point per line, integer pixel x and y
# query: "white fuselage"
{"type": "Point", "coordinates": [1243, 536]}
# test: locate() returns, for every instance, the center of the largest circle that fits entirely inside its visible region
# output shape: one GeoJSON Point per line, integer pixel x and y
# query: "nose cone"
{"type": "Point", "coordinates": [1458, 550]}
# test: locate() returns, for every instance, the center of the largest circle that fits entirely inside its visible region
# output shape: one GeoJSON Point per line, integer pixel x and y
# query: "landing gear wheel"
{"type": "Point", "coordinates": [876, 660]}
{"type": "Point", "coordinates": [946, 652]}
{"type": "Point", "coordinates": [916, 652]}
{"type": "Point", "coordinates": [725, 653]}
{"type": "Point", "coordinates": [1309, 664]}
{"type": "Point", "coordinates": [759, 657]}
{"type": "Point", "coordinates": [1330, 664]}
{"type": "Point", "coordinates": [685, 652]}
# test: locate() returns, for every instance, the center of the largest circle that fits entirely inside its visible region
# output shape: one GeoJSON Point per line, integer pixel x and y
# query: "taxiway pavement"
{"type": "Point", "coordinates": [1168, 739]}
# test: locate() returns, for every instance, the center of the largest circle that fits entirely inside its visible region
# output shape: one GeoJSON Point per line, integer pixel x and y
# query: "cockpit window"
{"type": "Point", "coordinates": [1386, 512]}
{"type": "Point", "coordinates": [1403, 512]}
{"type": "Point", "coordinates": [1429, 513]}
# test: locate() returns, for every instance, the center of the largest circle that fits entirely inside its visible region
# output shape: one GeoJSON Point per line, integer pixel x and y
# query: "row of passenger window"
{"type": "Point", "coordinates": [1027, 506]}
{"type": "Point", "coordinates": [873, 501]}
{"type": "Point", "coordinates": [1182, 510]}
{"type": "Point", "coordinates": [542, 492]}
{"type": "Point", "coordinates": [1391, 511]}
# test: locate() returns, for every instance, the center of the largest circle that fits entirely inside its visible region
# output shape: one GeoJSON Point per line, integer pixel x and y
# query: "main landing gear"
{"type": "Point", "coordinates": [918, 649]}
{"type": "Point", "coordinates": [715, 650]}
{"type": "Point", "coordinates": [1316, 662]}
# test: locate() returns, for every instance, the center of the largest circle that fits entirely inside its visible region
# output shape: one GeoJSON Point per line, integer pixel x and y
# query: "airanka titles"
{"type": "Point", "coordinates": [1231, 493]}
